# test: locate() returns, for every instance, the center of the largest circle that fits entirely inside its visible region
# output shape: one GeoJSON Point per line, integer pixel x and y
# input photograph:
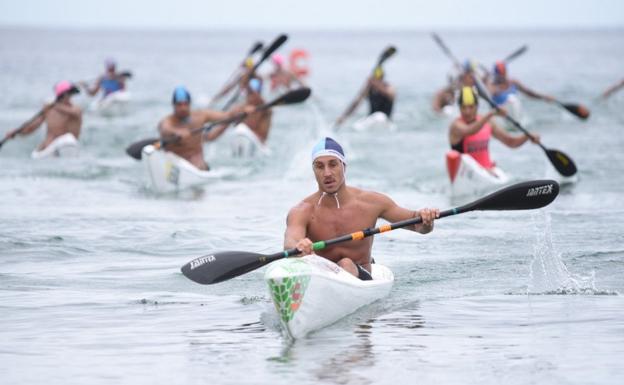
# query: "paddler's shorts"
{"type": "Point", "coordinates": [363, 274]}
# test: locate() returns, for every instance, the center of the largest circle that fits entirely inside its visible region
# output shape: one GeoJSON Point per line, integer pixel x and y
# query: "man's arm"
{"type": "Point", "coordinates": [511, 140]}
{"type": "Point", "coordinates": [168, 131]}
{"type": "Point", "coordinates": [208, 115]}
{"type": "Point", "coordinates": [213, 116]}
{"type": "Point", "coordinates": [441, 99]}
{"type": "Point", "coordinates": [395, 213]}
{"type": "Point", "coordinates": [296, 228]}
{"type": "Point", "coordinates": [95, 89]}
{"type": "Point", "coordinates": [612, 89]}
{"type": "Point", "coordinates": [122, 81]}
{"type": "Point", "coordinates": [525, 90]}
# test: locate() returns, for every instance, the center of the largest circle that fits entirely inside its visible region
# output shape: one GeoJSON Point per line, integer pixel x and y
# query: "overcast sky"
{"type": "Point", "coordinates": [313, 14]}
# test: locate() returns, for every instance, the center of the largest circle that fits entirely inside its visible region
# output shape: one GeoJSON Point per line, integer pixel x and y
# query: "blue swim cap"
{"type": "Point", "coordinates": [328, 146]}
{"type": "Point", "coordinates": [181, 95]}
{"type": "Point", "coordinates": [255, 85]}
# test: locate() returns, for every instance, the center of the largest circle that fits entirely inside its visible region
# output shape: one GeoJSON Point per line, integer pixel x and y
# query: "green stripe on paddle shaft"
{"type": "Point", "coordinates": [320, 245]}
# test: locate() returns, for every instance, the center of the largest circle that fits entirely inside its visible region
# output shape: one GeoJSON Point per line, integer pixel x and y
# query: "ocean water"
{"type": "Point", "coordinates": [90, 287]}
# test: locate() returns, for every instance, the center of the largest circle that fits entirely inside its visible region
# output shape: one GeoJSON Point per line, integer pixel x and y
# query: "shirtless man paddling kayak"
{"type": "Point", "coordinates": [337, 209]}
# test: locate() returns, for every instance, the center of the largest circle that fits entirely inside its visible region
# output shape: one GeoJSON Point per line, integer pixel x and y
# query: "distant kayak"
{"type": "Point", "coordinates": [312, 292]}
{"type": "Point", "coordinates": [114, 104]}
{"type": "Point", "coordinates": [65, 146]}
{"type": "Point", "coordinates": [375, 121]}
{"type": "Point", "coordinates": [469, 179]}
{"type": "Point", "coordinates": [246, 144]}
{"type": "Point", "coordinates": [168, 173]}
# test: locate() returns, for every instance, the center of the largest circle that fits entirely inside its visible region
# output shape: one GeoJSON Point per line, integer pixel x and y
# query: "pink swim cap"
{"type": "Point", "coordinates": [62, 87]}
{"type": "Point", "coordinates": [278, 59]}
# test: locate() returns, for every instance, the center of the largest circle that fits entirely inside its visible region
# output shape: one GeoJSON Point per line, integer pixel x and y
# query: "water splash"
{"type": "Point", "coordinates": [548, 273]}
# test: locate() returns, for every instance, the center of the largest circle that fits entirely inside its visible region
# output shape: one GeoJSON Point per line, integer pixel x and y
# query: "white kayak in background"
{"type": "Point", "coordinates": [450, 111]}
{"type": "Point", "coordinates": [375, 121]}
{"type": "Point", "coordinates": [169, 173]}
{"type": "Point", "coordinates": [246, 144]}
{"type": "Point", "coordinates": [64, 146]}
{"type": "Point", "coordinates": [469, 179]}
{"type": "Point", "coordinates": [312, 292]}
{"type": "Point", "coordinates": [113, 104]}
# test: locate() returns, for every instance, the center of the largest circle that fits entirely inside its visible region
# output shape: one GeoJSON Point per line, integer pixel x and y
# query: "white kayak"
{"type": "Point", "coordinates": [469, 179]}
{"type": "Point", "coordinates": [246, 144]}
{"type": "Point", "coordinates": [450, 111]}
{"type": "Point", "coordinates": [169, 173]}
{"type": "Point", "coordinates": [375, 121]}
{"type": "Point", "coordinates": [64, 146]}
{"type": "Point", "coordinates": [113, 104]}
{"type": "Point", "coordinates": [312, 292]}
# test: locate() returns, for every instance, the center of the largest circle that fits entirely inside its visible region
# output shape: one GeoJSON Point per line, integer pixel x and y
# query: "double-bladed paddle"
{"type": "Point", "coordinates": [229, 83]}
{"type": "Point", "coordinates": [562, 162]}
{"type": "Point", "coordinates": [295, 96]}
{"type": "Point", "coordinates": [278, 42]}
{"type": "Point", "coordinates": [221, 266]}
{"type": "Point", "coordinates": [385, 55]}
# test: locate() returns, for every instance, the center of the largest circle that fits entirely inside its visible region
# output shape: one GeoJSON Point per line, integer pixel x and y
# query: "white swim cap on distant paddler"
{"type": "Point", "coordinates": [328, 146]}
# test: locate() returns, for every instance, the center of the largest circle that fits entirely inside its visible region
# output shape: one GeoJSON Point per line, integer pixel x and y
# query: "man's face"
{"type": "Point", "coordinates": [182, 110]}
{"type": "Point", "coordinates": [329, 173]}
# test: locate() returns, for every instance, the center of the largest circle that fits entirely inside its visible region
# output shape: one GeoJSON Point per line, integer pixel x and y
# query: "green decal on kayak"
{"type": "Point", "coordinates": [287, 295]}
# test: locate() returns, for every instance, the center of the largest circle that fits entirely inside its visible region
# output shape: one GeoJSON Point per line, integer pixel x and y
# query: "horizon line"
{"type": "Point", "coordinates": [359, 29]}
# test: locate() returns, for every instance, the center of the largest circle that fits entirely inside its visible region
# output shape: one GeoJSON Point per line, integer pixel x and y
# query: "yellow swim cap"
{"type": "Point", "coordinates": [467, 97]}
{"type": "Point", "coordinates": [249, 62]}
{"type": "Point", "coordinates": [378, 73]}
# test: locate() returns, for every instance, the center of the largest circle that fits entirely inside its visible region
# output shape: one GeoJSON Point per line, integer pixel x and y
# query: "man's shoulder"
{"type": "Point", "coordinates": [302, 210]}
{"type": "Point", "coordinates": [369, 196]}
{"type": "Point", "coordinates": [307, 204]}
{"type": "Point", "coordinates": [167, 119]}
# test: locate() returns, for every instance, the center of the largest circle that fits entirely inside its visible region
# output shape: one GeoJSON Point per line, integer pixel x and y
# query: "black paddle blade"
{"type": "Point", "coordinates": [257, 47]}
{"type": "Point", "coordinates": [218, 267]}
{"type": "Point", "coordinates": [577, 110]}
{"type": "Point", "coordinates": [520, 196]}
{"type": "Point", "coordinates": [386, 54]}
{"type": "Point", "coordinates": [563, 163]}
{"type": "Point", "coordinates": [295, 96]}
{"type": "Point", "coordinates": [516, 53]}
{"type": "Point", "coordinates": [136, 149]}
{"type": "Point", "coordinates": [126, 74]}
{"type": "Point", "coordinates": [281, 39]}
